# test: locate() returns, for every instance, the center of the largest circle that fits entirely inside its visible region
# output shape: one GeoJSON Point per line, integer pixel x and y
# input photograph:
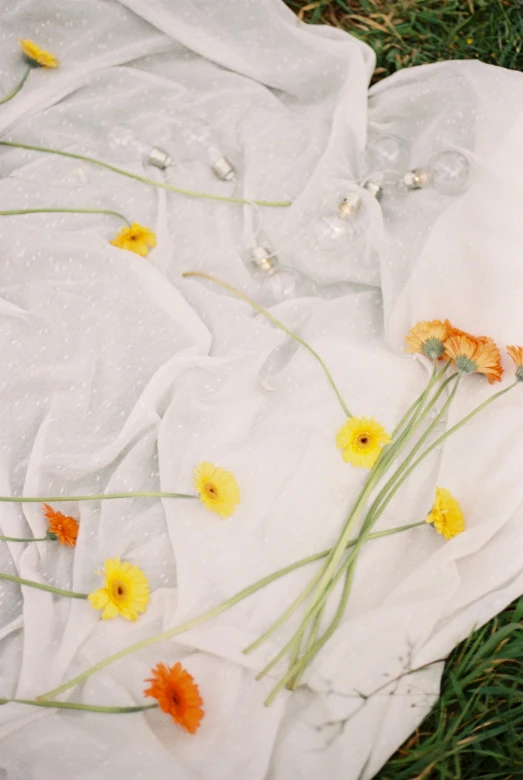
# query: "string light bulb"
{"type": "Point", "coordinates": [448, 172]}
{"type": "Point", "coordinates": [123, 139]}
{"type": "Point", "coordinates": [387, 153]}
{"type": "Point", "coordinates": [200, 140]}
{"type": "Point", "coordinates": [278, 283]}
{"type": "Point", "coordinates": [338, 229]}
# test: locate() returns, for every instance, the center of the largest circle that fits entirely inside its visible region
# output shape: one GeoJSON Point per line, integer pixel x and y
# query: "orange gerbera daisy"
{"type": "Point", "coordinates": [475, 355]}
{"type": "Point", "coordinates": [428, 338]}
{"type": "Point", "coordinates": [516, 353]}
{"type": "Point", "coordinates": [177, 695]}
{"type": "Point", "coordinates": [61, 527]}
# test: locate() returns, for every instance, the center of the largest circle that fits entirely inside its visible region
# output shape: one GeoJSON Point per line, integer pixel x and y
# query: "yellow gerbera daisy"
{"type": "Point", "coordinates": [475, 354]}
{"type": "Point", "coordinates": [37, 56]}
{"type": "Point", "coordinates": [516, 353]}
{"type": "Point", "coordinates": [361, 440]}
{"type": "Point", "coordinates": [217, 488]}
{"type": "Point", "coordinates": [446, 515]}
{"type": "Point", "coordinates": [125, 591]}
{"type": "Point", "coordinates": [428, 338]}
{"type": "Point", "coordinates": [135, 238]}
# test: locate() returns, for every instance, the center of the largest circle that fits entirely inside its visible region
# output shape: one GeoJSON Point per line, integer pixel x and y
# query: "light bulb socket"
{"type": "Point", "coordinates": [159, 158]}
{"type": "Point", "coordinates": [349, 206]}
{"type": "Point", "coordinates": [224, 169]}
{"type": "Point", "coordinates": [375, 189]}
{"type": "Point", "coordinates": [417, 179]}
{"type": "Point", "coordinates": [264, 259]}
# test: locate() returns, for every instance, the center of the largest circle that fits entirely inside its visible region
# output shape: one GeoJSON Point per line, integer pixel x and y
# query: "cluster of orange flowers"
{"type": "Point", "coordinates": [439, 340]}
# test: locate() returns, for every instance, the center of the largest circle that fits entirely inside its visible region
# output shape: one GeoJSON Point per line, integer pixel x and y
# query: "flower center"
{"type": "Point", "coordinates": [211, 490]}
{"type": "Point", "coordinates": [466, 365]}
{"type": "Point", "coordinates": [433, 348]}
{"type": "Point", "coordinates": [118, 591]}
{"type": "Point", "coordinates": [363, 439]}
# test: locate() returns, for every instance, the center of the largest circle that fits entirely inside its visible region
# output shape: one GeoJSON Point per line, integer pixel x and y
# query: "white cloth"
{"type": "Point", "coordinates": [119, 375]}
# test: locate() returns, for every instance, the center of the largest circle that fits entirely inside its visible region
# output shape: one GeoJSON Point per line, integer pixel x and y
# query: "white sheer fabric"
{"type": "Point", "coordinates": [119, 375]}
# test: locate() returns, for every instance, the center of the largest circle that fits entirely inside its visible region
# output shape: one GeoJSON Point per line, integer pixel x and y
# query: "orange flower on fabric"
{"type": "Point", "coordinates": [516, 353]}
{"type": "Point", "coordinates": [428, 338]}
{"type": "Point", "coordinates": [37, 56]}
{"type": "Point", "coordinates": [61, 527]}
{"type": "Point", "coordinates": [475, 355]}
{"type": "Point", "coordinates": [177, 694]}
{"type": "Point", "coordinates": [135, 238]}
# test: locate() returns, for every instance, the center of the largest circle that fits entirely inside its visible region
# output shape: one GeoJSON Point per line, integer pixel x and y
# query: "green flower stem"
{"type": "Point", "coordinates": [278, 324]}
{"type": "Point", "coordinates": [380, 509]}
{"type": "Point", "coordinates": [208, 615]}
{"type": "Point", "coordinates": [64, 211]}
{"type": "Point", "coordinates": [94, 497]}
{"type": "Point", "coordinates": [144, 179]}
{"type": "Point", "coordinates": [389, 454]}
{"type": "Point", "coordinates": [18, 87]}
{"type": "Point", "coordinates": [71, 705]}
{"type": "Point", "coordinates": [38, 585]}
{"type": "Point", "coordinates": [321, 579]}
{"type": "Point", "coordinates": [418, 416]}
{"type": "Point", "coordinates": [293, 676]}
{"type": "Point", "coordinates": [316, 609]}
{"type": "Point", "coordinates": [17, 539]}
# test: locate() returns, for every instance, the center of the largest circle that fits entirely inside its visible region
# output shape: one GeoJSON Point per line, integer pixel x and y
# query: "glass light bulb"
{"type": "Point", "coordinates": [449, 172]}
{"type": "Point", "coordinates": [123, 140]}
{"type": "Point", "coordinates": [387, 153]}
{"type": "Point", "coordinates": [201, 142]}
{"type": "Point", "coordinates": [337, 230]}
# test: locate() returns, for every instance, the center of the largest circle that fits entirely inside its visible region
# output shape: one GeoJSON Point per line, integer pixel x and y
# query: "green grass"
{"type": "Point", "coordinates": [476, 728]}
{"type": "Point", "coordinates": [414, 32]}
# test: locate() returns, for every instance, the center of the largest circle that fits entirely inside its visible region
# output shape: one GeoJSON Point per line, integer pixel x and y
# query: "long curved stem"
{"type": "Point", "coordinates": [18, 87]}
{"type": "Point", "coordinates": [18, 539]}
{"type": "Point", "coordinates": [14, 212]}
{"type": "Point", "coordinates": [144, 179]}
{"type": "Point", "coordinates": [94, 497]}
{"type": "Point", "coordinates": [48, 588]}
{"type": "Point", "coordinates": [278, 324]}
{"type": "Point", "coordinates": [71, 705]}
{"type": "Point", "coordinates": [242, 594]}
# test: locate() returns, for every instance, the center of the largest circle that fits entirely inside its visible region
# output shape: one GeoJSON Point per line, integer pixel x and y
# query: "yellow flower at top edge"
{"type": "Point", "coordinates": [428, 338]}
{"type": "Point", "coordinates": [475, 355]}
{"type": "Point", "coordinates": [217, 489]}
{"type": "Point", "coordinates": [446, 515]}
{"type": "Point", "coordinates": [516, 353]}
{"type": "Point", "coordinates": [135, 238]}
{"type": "Point", "coordinates": [125, 591]}
{"type": "Point", "coordinates": [361, 440]}
{"type": "Point", "coordinates": [37, 56]}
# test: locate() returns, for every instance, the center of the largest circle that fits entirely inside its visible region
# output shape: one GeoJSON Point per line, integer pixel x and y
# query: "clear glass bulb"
{"type": "Point", "coordinates": [336, 231]}
{"type": "Point", "coordinates": [387, 153]}
{"type": "Point", "coordinates": [449, 172]}
{"type": "Point", "coordinates": [201, 143]}
{"type": "Point", "coordinates": [125, 142]}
